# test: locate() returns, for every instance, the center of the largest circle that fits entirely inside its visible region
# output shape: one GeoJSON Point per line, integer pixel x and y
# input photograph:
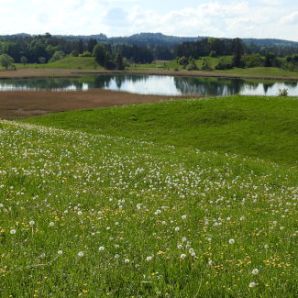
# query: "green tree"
{"type": "Point", "coordinates": [24, 60]}
{"type": "Point", "coordinates": [119, 62]}
{"type": "Point", "coordinates": [6, 61]}
{"type": "Point", "coordinates": [238, 51]}
{"type": "Point", "coordinates": [42, 60]}
{"type": "Point", "coordinates": [58, 55]}
{"type": "Point", "coordinates": [101, 55]}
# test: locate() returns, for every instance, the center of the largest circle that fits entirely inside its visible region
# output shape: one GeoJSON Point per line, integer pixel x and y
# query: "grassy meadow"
{"type": "Point", "coordinates": [88, 63]}
{"type": "Point", "coordinates": [68, 62]}
{"type": "Point", "coordinates": [194, 198]}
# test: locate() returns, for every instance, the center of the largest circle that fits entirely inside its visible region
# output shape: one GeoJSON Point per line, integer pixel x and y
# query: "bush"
{"type": "Point", "coordinates": [58, 55]}
{"type": "Point", "coordinates": [191, 65]}
{"type": "Point", "coordinates": [222, 64]}
{"type": "Point", "coordinates": [183, 61]}
{"type": "Point", "coordinates": [86, 54]}
{"type": "Point", "coordinates": [6, 61]}
{"type": "Point", "coordinates": [255, 60]}
{"type": "Point", "coordinates": [42, 60]}
{"type": "Point", "coordinates": [206, 65]}
{"type": "Point", "coordinates": [24, 60]}
{"type": "Point", "coordinates": [283, 92]}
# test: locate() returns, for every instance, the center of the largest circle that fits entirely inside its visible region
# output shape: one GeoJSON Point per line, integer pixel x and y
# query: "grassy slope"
{"type": "Point", "coordinates": [66, 63]}
{"type": "Point", "coordinates": [253, 126]}
{"type": "Point", "coordinates": [259, 72]}
{"type": "Point", "coordinates": [205, 220]}
{"type": "Point", "coordinates": [88, 63]}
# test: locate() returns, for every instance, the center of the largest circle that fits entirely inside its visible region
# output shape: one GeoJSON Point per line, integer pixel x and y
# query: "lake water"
{"type": "Point", "coordinates": [154, 85]}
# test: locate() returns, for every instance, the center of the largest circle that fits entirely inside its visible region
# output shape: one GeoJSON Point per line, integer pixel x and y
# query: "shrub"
{"type": "Point", "coordinates": [183, 61]}
{"type": "Point", "coordinates": [191, 65]}
{"type": "Point", "coordinates": [6, 61]}
{"type": "Point", "coordinates": [206, 65]}
{"type": "Point", "coordinates": [58, 55]}
{"type": "Point", "coordinates": [222, 64]}
{"type": "Point", "coordinates": [283, 92]}
{"type": "Point", "coordinates": [86, 54]}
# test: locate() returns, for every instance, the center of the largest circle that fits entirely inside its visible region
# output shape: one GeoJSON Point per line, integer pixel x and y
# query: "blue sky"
{"type": "Point", "coordinates": [231, 18]}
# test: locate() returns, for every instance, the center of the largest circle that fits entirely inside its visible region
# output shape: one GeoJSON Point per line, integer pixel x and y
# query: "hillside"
{"type": "Point", "coordinates": [252, 126]}
{"type": "Point", "coordinates": [99, 215]}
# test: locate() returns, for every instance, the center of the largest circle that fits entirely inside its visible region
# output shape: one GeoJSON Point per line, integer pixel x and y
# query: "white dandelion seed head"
{"type": "Point", "coordinates": [255, 271]}
{"type": "Point", "coordinates": [101, 248]}
{"type": "Point", "coordinates": [126, 261]}
{"type": "Point", "coordinates": [31, 223]}
{"type": "Point", "coordinates": [182, 256]}
{"type": "Point", "coordinates": [177, 229]}
{"type": "Point", "coordinates": [60, 252]}
{"type": "Point", "coordinates": [149, 258]}
{"type": "Point", "coordinates": [13, 231]}
{"type": "Point", "coordinates": [252, 284]}
{"type": "Point", "coordinates": [51, 224]}
{"type": "Point", "coordinates": [232, 241]}
{"type": "Point", "coordinates": [81, 254]}
{"type": "Point", "coordinates": [184, 217]}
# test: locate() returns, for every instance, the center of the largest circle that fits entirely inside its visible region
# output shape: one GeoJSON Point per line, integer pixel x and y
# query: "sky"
{"type": "Point", "coordinates": [218, 18]}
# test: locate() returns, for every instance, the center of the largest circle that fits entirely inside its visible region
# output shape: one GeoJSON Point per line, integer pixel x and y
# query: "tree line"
{"type": "Point", "coordinates": [116, 55]}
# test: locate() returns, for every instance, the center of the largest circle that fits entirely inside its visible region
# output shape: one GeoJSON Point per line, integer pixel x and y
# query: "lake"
{"type": "Point", "coordinates": [154, 85]}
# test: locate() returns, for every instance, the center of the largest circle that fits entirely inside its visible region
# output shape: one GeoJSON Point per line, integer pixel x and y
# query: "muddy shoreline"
{"type": "Point", "coordinates": [21, 104]}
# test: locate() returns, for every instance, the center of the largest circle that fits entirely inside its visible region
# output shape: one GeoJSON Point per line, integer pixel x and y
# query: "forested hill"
{"type": "Point", "coordinates": [159, 39]}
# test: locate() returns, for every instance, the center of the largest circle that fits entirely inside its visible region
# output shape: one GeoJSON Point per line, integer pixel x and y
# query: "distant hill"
{"type": "Point", "coordinates": [158, 39]}
{"type": "Point", "coordinates": [153, 39]}
{"type": "Point", "coordinates": [270, 42]}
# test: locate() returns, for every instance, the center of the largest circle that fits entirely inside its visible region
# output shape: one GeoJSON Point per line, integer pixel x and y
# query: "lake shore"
{"type": "Point", "coordinates": [20, 104]}
{"type": "Point", "coordinates": [60, 73]}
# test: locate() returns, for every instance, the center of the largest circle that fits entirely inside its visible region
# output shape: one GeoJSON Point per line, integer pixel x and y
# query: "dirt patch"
{"type": "Point", "coordinates": [20, 104]}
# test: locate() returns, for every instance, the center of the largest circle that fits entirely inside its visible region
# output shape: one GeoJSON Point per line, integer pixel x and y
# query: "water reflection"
{"type": "Point", "coordinates": [159, 85]}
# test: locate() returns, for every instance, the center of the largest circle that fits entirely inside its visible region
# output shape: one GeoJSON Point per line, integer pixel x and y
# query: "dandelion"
{"type": "Point", "coordinates": [177, 229]}
{"type": "Point", "coordinates": [126, 261]}
{"type": "Point", "coordinates": [31, 223]}
{"type": "Point", "coordinates": [149, 258]}
{"type": "Point", "coordinates": [51, 224]}
{"type": "Point", "coordinates": [255, 271]}
{"type": "Point", "coordinates": [232, 241]}
{"type": "Point", "coordinates": [252, 284]}
{"type": "Point", "coordinates": [13, 231]}
{"type": "Point", "coordinates": [184, 217]}
{"type": "Point", "coordinates": [101, 248]}
{"type": "Point", "coordinates": [80, 213]}
{"type": "Point", "coordinates": [60, 252]}
{"type": "Point", "coordinates": [117, 256]}
{"type": "Point", "coordinates": [182, 256]}
{"type": "Point", "coordinates": [210, 262]}
{"type": "Point", "coordinates": [81, 254]}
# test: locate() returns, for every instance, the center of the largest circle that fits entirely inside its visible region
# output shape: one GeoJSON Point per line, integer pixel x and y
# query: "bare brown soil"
{"type": "Point", "coordinates": [21, 104]}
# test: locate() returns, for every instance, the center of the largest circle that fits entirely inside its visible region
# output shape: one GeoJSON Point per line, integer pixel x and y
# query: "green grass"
{"type": "Point", "coordinates": [97, 216]}
{"type": "Point", "coordinates": [254, 72]}
{"type": "Point", "coordinates": [68, 62]}
{"type": "Point", "coordinates": [97, 210]}
{"type": "Point", "coordinates": [261, 127]}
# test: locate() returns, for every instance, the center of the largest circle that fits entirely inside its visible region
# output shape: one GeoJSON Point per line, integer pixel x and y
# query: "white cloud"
{"type": "Point", "coordinates": [263, 18]}
{"type": "Point", "coordinates": [291, 19]}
